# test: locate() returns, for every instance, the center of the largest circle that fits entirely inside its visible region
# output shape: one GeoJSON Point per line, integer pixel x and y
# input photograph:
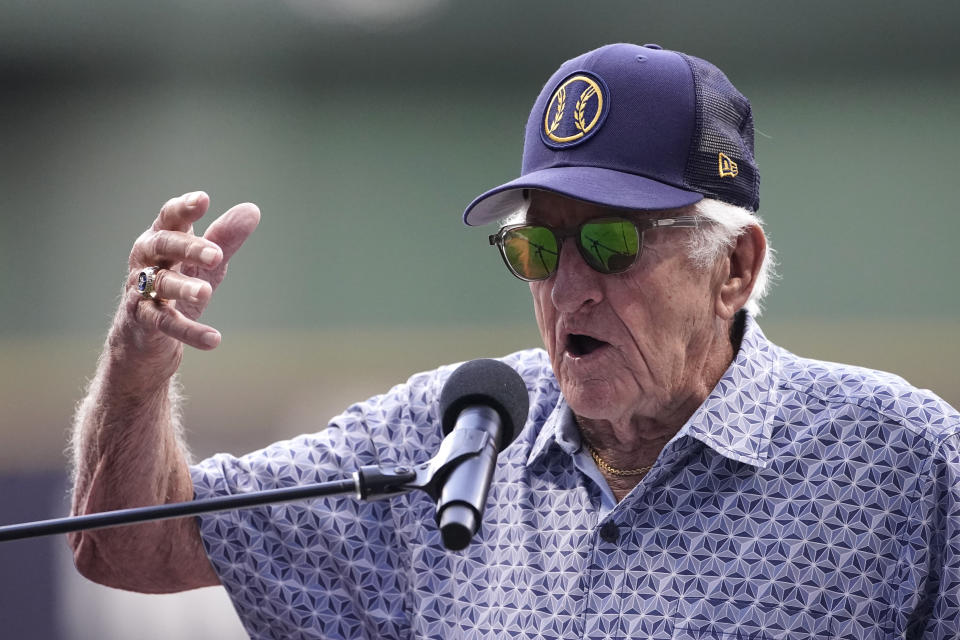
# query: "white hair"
{"type": "Point", "coordinates": [708, 242]}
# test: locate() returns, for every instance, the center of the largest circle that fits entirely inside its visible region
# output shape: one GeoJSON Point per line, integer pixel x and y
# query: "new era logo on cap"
{"type": "Point", "coordinates": [728, 168]}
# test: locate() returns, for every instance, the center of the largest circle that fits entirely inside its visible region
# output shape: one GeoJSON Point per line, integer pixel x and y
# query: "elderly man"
{"type": "Point", "coordinates": [679, 476]}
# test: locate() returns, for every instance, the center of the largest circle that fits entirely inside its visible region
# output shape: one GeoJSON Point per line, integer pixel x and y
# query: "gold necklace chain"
{"type": "Point", "coordinates": [605, 466]}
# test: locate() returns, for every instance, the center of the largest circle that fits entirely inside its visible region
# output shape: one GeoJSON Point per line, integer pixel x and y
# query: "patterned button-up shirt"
{"type": "Point", "coordinates": [803, 499]}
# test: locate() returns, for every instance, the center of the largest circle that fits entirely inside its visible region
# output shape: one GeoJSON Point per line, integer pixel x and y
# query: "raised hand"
{"type": "Point", "coordinates": [189, 269]}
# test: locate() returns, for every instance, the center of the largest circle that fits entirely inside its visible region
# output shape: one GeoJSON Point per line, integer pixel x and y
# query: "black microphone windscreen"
{"type": "Point", "coordinates": [490, 383]}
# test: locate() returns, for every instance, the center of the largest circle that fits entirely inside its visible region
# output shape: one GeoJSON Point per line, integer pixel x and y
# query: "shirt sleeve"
{"type": "Point", "coordinates": [329, 567]}
{"type": "Point", "coordinates": [937, 548]}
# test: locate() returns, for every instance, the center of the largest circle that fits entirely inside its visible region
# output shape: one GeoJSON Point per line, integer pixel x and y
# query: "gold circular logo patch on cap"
{"type": "Point", "coordinates": [574, 110]}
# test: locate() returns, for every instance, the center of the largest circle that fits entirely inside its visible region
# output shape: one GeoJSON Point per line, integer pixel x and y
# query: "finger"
{"type": "Point", "coordinates": [232, 229]}
{"type": "Point", "coordinates": [166, 319]}
{"type": "Point", "coordinates": [179, 214]}
{"type": "Point", "coordinates": [166, 248]}
{"type": "Point", "coordinates": [171, 285]}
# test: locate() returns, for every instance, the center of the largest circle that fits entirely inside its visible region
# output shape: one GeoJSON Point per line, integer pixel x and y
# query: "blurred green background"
{"type": "Point", "coordinates": [363, 127]}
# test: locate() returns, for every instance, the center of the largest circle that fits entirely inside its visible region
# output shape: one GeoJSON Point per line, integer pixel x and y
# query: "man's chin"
{"type": "Point", "coordinates": [595, 399]}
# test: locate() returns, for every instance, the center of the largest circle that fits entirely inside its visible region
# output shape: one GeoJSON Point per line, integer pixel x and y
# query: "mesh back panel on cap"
{"type": "Point", "coordinates": [724, 126]}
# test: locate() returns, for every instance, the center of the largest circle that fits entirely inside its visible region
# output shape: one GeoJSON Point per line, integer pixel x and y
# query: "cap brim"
{"type": "Point", "coordinates": [604, 187]}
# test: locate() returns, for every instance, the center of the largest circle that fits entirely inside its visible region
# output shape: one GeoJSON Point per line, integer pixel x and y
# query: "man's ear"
{"type": "Point", "coordinates": [742, 267]}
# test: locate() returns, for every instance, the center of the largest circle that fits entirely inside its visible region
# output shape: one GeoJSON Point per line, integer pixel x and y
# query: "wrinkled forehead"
{"type": "Point", "coordinates": [554, 209]}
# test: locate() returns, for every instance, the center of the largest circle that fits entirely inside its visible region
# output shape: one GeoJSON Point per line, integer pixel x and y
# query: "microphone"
{"type": "Point", "coordinates": [487, 396]}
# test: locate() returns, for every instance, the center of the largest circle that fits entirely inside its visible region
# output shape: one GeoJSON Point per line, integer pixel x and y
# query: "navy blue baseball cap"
{"type": "Point", "coordinates": [634, 127]}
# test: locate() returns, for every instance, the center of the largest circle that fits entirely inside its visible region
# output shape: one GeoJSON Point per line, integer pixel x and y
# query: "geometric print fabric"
{"type": "Point", "coordinates": [802, 499]}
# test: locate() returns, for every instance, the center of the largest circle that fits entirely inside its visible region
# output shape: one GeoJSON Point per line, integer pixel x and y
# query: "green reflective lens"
{"type": "Point", "coordinates": [531, 251]}
{"type": "Point", "coordinates": [609, 246]}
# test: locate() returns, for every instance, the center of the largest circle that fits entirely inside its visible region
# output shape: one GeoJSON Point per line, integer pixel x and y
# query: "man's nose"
{"type": "Point", "coordinates": [575, 284]}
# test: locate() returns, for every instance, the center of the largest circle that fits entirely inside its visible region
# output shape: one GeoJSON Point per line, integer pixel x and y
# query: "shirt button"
{"type": "Point", "coordinates": [610, 531]}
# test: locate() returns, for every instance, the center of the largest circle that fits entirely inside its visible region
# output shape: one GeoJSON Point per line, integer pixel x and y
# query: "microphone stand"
{"type": "Point", "coordinates": [370, 482]}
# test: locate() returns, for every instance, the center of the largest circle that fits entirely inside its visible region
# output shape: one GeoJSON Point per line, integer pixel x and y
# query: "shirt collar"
{"type": "Point", "coordinates": [551, 433]}
{"type": "Point", "coordinates": [734, 420]}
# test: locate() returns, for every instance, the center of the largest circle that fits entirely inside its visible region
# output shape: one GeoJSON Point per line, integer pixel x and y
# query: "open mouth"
{"type": "Point", "coordinates": [579, 344]}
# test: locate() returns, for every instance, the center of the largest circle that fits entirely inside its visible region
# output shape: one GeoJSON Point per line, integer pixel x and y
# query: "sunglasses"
{"type": "Point", "coordinates": [608, 245]}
